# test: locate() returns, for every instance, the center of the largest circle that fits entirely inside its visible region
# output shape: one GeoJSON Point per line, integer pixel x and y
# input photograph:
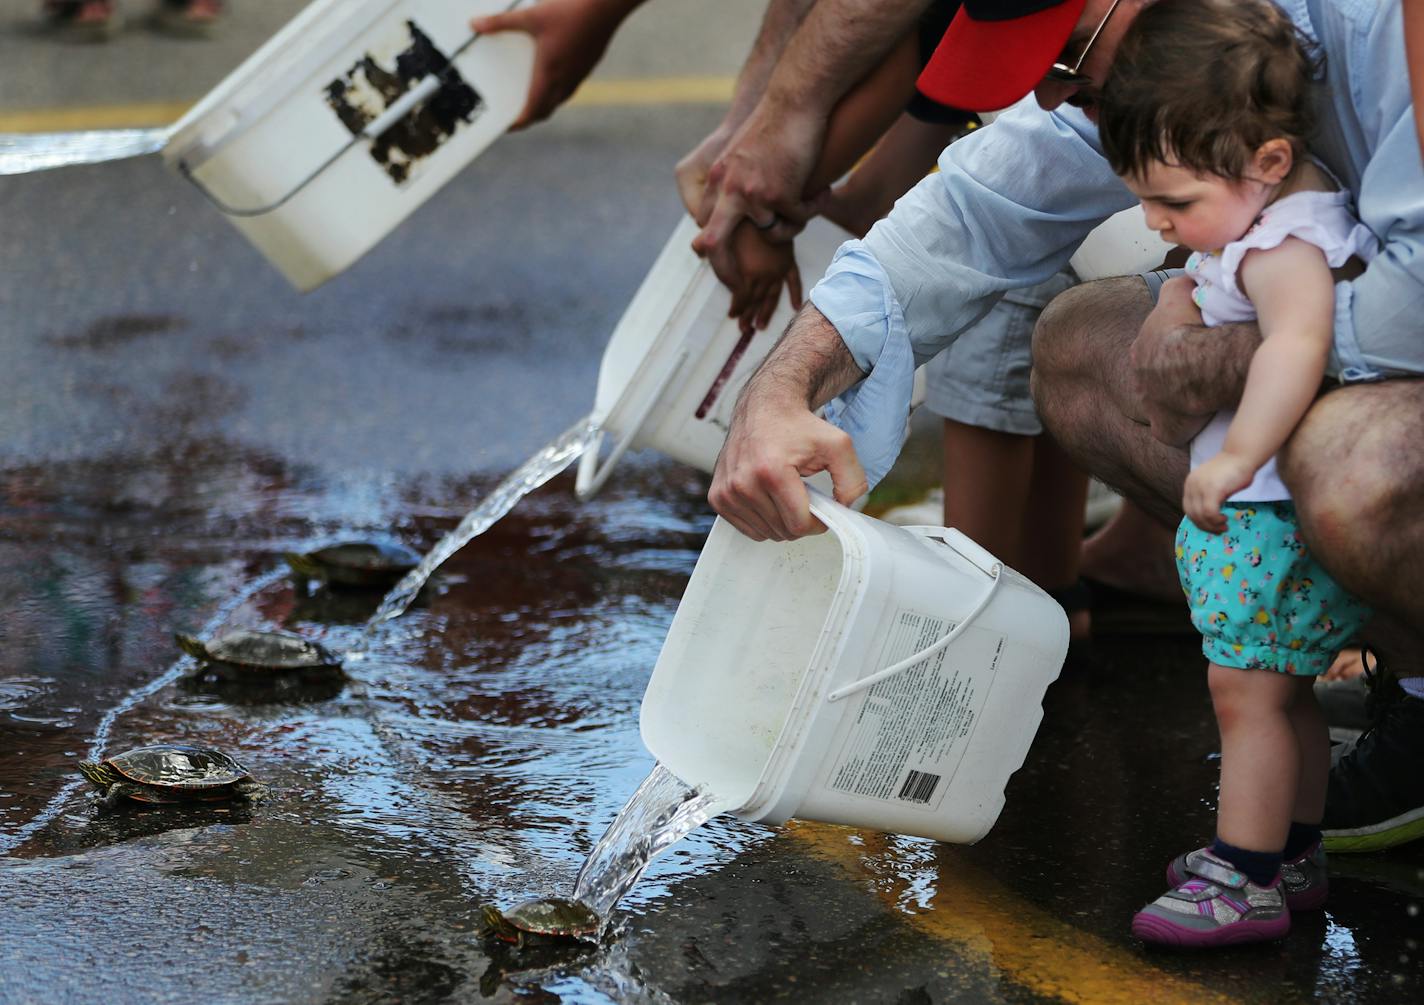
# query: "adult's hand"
{"type": "Point", "coordinates": [1160, 366]}
{"type": "Point", "coordinates": [776, 440]}
{"type": "Point", "coordinates": [570, 37]}
{"type": "Point", "coordinates": [761, 175]}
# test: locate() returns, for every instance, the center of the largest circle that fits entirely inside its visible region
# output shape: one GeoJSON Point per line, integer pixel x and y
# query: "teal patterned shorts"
{"type": "Point", "coordinates": [1258, 597]}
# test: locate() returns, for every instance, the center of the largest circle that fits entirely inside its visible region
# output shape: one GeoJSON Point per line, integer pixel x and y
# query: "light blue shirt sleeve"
{"type": "Point", "coordinates": [1007, 209]}
{"type": "Point", "coordinates": [1367, 137]}
{"type": "Point", "coordinates": [873, 413]}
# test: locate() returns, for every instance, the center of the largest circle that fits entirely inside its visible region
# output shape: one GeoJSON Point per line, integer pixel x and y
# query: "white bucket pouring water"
{"type": "Point", "coordinates": [876, 676]}
{"type": "Point", "coordinates": [334, 131]}
{"type": "Point", "coordinates": [347, 120]}
{"type": "Point", "coordinates": [675, 363]}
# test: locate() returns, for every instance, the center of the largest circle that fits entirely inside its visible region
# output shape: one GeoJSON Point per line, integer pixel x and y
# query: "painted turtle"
{"type": "Point", "coordinates": [365, 564]}
{"type": "Point", "coordinates": [549, 919]}
{"type": "Point", "coordinates": [246, 652]}
{"type": "Point", "coordinates": [169, 773]}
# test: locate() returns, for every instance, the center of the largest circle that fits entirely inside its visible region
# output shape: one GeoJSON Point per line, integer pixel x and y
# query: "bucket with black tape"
{"type": "Point", "coordinates": [346, 121]}
{"type": "Point", "coordinates": [875, 676]}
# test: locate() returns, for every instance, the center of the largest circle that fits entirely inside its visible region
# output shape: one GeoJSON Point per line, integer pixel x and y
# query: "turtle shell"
{"type": "Point", "coordinates": [357, 563]}
{"type": "Point", "coordinates": [257, 650]}
{"type": "Point", "coordinates": [176, 766]}
{"type": "Point", "coordinates": [556, 916]}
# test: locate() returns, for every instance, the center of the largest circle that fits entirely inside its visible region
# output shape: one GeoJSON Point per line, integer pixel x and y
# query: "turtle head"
{"type": "Point", "coordinates": [493, 923]}
{"type": "Point", "coordinates": [303, 565]}
{"type": "Point", "coordinates": [100, 775]}
{"type": "Point", "coordinates": [191, 645]}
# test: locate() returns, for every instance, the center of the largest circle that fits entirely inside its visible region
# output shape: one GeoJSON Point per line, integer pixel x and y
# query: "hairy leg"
{"type": "Point", "coordinates": [1260, 756]}
{"type": "Point", "coordinates": [1355, 466]}
{"type": "Point", "coordinates": [1084, 389]}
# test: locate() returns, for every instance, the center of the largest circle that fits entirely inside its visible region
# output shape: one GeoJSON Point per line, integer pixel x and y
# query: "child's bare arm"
{"type": "Point", "coordinates": [1294, 296]}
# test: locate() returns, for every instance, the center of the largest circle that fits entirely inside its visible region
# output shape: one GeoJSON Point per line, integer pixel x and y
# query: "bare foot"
{"type": "Point", "coordinates": [1133, 552]}
{"type": "Point", "coordinates": [1348, 663]}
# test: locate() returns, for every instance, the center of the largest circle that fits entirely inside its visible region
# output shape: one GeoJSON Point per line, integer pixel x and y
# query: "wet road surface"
{"type": "Point", "coordinates": [174, 418]}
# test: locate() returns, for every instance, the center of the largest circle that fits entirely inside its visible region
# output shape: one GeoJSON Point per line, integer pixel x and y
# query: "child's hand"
{"type": "Point", "coordinates": [1208, 487]}
{"type": "Point", "coordinates": [761, 267]}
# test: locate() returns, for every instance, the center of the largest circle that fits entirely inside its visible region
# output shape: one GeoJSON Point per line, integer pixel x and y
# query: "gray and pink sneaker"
{"type": "Point", "coordinates": [1216, 905]}
{"type": "Point", "coordinates": [1306, 879]}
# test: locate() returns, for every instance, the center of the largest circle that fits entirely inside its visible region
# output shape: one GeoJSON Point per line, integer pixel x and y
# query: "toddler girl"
{"type": "Point", "coordinates": [1204, 116]}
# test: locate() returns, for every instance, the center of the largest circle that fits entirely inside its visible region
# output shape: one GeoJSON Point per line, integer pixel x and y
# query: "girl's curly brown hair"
{"type": "Point", "coordinates": [1203, 83]}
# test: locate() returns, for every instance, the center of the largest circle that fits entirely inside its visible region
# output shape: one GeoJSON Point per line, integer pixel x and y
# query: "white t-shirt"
{"type": "Point", "coordinates": [1323, 219]}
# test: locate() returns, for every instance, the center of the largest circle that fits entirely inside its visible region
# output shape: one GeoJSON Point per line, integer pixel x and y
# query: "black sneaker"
{"type": "Point", "coordinates": [1375, 798]}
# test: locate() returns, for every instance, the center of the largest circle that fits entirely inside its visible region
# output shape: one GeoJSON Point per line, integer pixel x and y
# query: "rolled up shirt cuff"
{"type": "Point", "coordinates": [856, 297]}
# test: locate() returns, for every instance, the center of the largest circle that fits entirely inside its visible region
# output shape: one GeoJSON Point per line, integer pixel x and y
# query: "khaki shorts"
{"type": "Point", "coordinates": [982, 379]}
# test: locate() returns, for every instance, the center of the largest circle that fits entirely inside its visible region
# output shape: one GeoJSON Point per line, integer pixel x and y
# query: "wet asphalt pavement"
{"type": "Point", "coordinates": [174, 417]}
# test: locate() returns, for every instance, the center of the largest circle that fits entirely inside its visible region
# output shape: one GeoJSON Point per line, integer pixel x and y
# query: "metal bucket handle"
{"type": "Point", "coordinates": [371, 131]}
{"type": "Point", "coordinates": [977, 557]}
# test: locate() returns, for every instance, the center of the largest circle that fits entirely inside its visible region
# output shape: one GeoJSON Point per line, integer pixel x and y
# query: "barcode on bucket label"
{"type": "Point", "coordinates": [912, 729]}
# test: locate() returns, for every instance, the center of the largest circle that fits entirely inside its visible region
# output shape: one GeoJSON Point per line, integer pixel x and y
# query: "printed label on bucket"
{"type": "Point", "coordinates": [912, 729]}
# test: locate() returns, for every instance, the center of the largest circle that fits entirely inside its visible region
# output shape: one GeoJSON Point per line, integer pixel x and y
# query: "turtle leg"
{"type": "Point", "coordinates": [253, 792]}
{"type": "Point", "coordinates": [110, 799]}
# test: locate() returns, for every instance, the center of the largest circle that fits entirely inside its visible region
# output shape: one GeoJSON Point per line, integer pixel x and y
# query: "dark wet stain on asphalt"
{"type": "Point", "coordinates": [111, 332]}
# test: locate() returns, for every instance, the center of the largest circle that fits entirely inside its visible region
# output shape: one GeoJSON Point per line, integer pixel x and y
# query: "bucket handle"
{"type": "Point", "coordinates": [995, 574]}
{"type": "Point", "coordinates": [592, 474]}
{"type": "Point", "coordinates": [371, 131]}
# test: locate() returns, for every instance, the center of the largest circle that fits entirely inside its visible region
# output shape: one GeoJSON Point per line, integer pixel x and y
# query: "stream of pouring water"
{"type": "Point", "coordinates": [538, 469]}
{"type": "Point", "coordinates": [21, 153]}
{"type": "Point", "coordinates": [662, 812]}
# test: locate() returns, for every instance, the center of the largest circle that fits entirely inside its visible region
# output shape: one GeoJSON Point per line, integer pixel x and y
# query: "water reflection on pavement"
{"type": "Point", "coordinates": [487, 738]}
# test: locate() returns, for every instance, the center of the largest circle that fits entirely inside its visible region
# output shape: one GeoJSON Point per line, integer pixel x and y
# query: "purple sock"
{"type": "Point", "coordinates": [1261, 867]}
{"type": "Point", "coordinates": [1301, 839]}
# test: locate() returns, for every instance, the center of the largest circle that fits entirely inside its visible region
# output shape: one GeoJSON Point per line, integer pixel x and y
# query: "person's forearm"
{"type": "Point", "coordinates": [836, 45]}
{"type": "Point", "coordinates": [810, 364]}
{"type": "Point", "coordinates": [778, 25]}
{"type": "Point", "coordinates": [1283, 380]}
{"type": "Point", "coordinates": [866, 113]}
{"type": "Point", "coordinates": [903, 156]}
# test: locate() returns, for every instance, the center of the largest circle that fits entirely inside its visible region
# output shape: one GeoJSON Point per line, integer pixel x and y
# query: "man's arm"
{"type": "Point", "coordinates": [776, 440]}
{"type": "Point", "coordinates": [570, 37]}
{"type": "Point", "coordinates": [764, 170]}
{"type": "Point", "coordinates": [1005, 213]}
{"type": "Point", "coordinates": [778, 24]}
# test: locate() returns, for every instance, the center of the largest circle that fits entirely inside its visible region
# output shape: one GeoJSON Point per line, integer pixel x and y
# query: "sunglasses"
{"type": "Point", "coordinates": [1062, 73]}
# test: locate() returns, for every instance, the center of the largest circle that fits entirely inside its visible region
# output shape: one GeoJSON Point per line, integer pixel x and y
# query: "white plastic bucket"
{"type": "Point", "coordinates": [1122, 245]}
{"type": "Point", "coordinates": [876, 676]}
{"type": "Point", "coordinates": [347, 120]}
{"type": "Point", "coordinates": [675, 363]}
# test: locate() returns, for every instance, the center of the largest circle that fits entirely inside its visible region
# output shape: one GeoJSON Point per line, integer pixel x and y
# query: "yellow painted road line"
{"type": "Point", "coordinates": [593, 94]}
{"type": "Point", "coordinates": [1029, 947]}
{"type": "Point", "coordinates": [79, 118]}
